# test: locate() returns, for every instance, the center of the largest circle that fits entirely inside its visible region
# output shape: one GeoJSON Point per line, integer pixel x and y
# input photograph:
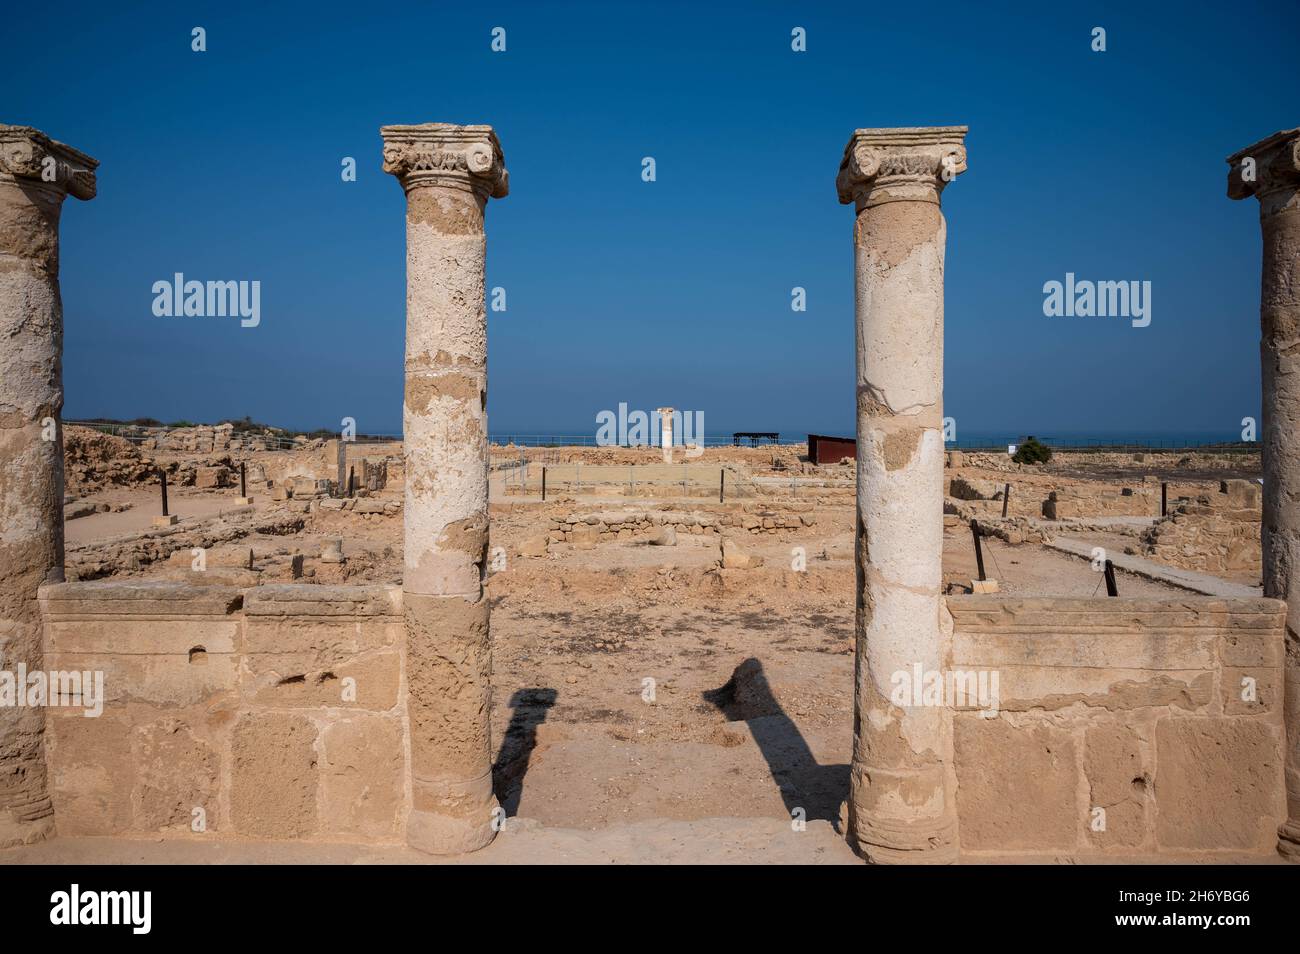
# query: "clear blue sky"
{"type": "Point", "coordinates": [225, 165]}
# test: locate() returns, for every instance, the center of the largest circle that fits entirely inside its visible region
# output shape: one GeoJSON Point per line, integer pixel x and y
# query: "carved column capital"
{"type": "Point", "coordinates": [27, 153]}
{"type": "Point", "coordinates": [442, 154]}
{"type": "Point", "coordinates": [1268, 170]}
{"type": "Point", "coordinates": [900, 165]}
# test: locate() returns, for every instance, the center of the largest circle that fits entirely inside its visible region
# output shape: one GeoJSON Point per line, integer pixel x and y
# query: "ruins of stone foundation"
{"type": "Point", "coordinates": [424, 644]}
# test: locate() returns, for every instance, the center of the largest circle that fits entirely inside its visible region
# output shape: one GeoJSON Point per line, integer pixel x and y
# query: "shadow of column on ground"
{"type": "Point", "coordinates": [804, 783]}
{"type": "Point", "coordinates": [530, 708]}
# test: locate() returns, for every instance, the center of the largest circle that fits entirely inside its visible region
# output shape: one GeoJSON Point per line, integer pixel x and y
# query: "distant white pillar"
{"type": "Point", "coordinates": [901, 803]}
{"type": "Point", "coordinates": [448, 173]}
{"type": "Point", "coordinates": [1270, 171]}
{"type": "Point", "coordinates": [666, 432]}
{"type": "Point", "coordinates": [36, 174]}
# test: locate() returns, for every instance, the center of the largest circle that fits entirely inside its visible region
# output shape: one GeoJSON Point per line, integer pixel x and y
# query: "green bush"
{"type": "Point", "coordinates": [1032, 451]}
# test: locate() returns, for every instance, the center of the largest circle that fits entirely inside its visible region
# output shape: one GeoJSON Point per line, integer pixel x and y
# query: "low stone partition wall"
{"type": "Point", "coordinates": [685, 479]}
{"type": "Point", "coordinates": [1214, 533]}
{"type": "Point", "coordinates": [274, 712]}
{"type": "Point", "coordinates": [629, 524]}
{"type": "Point", "coordinates": [1078, 503]}
{"type": "Point", "coordinates": [1120, 726]}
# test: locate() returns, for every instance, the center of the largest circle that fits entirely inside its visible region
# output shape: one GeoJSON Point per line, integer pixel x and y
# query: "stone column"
{"type": "Point", "coordinates": [448, 172]}
{"type": "Point", "coordinates": [1270, 171]}
{"type": "Point", "coordinates": [666, 432]}
{"type": "Point", "coordinates": [36, 173]}
{"type": "Point", "coordinates": [901, 807]}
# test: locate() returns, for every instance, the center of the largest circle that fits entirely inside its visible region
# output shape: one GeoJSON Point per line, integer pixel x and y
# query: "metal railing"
{"type": "Point", "coordinates": [1107, 445]}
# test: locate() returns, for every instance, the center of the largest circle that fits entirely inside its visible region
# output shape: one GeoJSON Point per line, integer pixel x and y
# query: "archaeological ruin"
{"type": "Point", "coordinates": [434, 642]}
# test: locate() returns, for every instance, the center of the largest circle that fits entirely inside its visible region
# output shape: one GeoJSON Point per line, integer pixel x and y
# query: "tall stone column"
{"type": "Point", "coordinates": [448, 172]}
{"type": "Point", "coordinates": [666, 432]}
{"type": "Point", "coordinates": [1270, 171]}
{"type": "Point", "coordinates": [36, 173]}
{"type": "Point", "coordinates": [901, 802]}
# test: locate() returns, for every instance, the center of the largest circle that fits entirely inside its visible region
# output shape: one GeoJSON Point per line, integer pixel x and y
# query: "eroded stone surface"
{"type": "Point", "coordinates": [901, 807]}
{"type": "Point", "coordinates": [36, 173]}
{"type": "Point", "coordinates": [1270, 171]}
{"type": "Point", "coordinates": [1018, 786]}
{"type": "Point", "coordinates": [1216, 784]}
{"type": "Point", "coordinates": [276, 774]}
{"type": "Point", "coordinates": [363, 778]}
{"type": "Point", "coordinates": [448, 173]}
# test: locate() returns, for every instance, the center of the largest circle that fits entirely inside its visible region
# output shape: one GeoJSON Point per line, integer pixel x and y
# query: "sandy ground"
{"type": "Point", "coordinates": [707, 841]}
{"type": "Point", "coordinates": [188, 505]}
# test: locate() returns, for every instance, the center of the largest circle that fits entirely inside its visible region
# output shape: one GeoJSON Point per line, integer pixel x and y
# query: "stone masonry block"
{"type": "Point", "coordinates": [1016, 786]}
{"type": "Point", "coordinates": [275, 776]}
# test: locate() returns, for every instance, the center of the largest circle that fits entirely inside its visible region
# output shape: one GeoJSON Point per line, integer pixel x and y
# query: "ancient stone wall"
{"type": "Point", "coordinates": [1165, 715]}
{"type": "Point", "coordinates": [631, 524]}
{"type": "Point", "coordinates": [275, 712]}
{"type": "Point", "coordinates": [1215, 533]}
{"type": "Point", "coordinates": [1082, 502]}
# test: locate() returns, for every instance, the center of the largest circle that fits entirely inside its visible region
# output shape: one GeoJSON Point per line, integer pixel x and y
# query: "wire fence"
{"type": "Point", "coordinates": [1107, 445]}
{"type": "Point", "coordinates": [504, 438]}
{"type": "Point", "coordinates": [138, 433]}
{"type": "Point", "coordinates": [530, 476]}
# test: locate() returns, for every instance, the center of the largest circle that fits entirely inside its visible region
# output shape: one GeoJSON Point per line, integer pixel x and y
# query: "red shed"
{"type": "Point", "coordinates": [831, 450]}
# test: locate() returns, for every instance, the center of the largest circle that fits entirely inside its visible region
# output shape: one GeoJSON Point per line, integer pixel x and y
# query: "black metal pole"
{"type": "Point", "coordinates": [543, 482]}
{"type": "Point", "coordinates": [163, 475]}
{"type": "Point", "coordinates": [1111, 588]}
{"type": "Point", "coordinates": [1164, 499]}
{"type": "Point", "coordinates": [722, 483]}
{"type": "Point", "coordinates": [1006, 498]}
{"type": "Point", "coordinates": [243, 480]}
{"type": "Point", "coordinates": [979, 551]}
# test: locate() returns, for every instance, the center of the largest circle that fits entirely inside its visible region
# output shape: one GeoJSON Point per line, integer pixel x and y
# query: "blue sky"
{"type": "Point", "coordinates": [226, 165]}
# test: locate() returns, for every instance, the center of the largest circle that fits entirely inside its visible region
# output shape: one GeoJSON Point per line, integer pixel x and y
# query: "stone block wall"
{"type": "Point", "coordinates": [642, 479]}
{"type": "Point", "coordinates": [278, 712]}
{"type": "Point", "coordinates": [634, 524]}
{"type": "Point", "coordinates": [1214, 533]}
{"type": "Point", "coordinates": [1081, 503]}
{"type": "Point", "coordinates": [1140, 708]}
{"type": "Point", "coordinates": [274, 712]}
{"type": "Point", "coordinates": [1037, 497]}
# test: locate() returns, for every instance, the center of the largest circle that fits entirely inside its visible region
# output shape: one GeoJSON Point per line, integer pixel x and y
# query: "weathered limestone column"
{"type": "Point", "coordinates": [448, 173]}
{"type": "Point", "coordinates": [901, 803]}
{"type": "Point", "coordinates": [666, 432]}
{"type": "Point", "coordinates": [1270, 171]}
{"type": "Point", "coordinates": [36, 173]}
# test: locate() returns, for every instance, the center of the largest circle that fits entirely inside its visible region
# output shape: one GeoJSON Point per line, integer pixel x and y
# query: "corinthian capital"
{"type": "Point", "coordinates": [900, 165]}
{"type": "Point", "coordinates": [1268, 169]}
{"type": "Point", "coordinates": [464, 157]}
{"type": "Point", "coordinates": [27, 153]}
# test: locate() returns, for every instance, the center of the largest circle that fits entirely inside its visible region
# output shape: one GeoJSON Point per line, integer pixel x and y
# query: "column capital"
{"type": "Point", "coordinates": [1267, 168]}
{"type": "Point", "coordinates": [27, 153]}
{"type": "Point", "coordinates": [443, 154]}
{"type": "Point", "coordinates": [909, 164]}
